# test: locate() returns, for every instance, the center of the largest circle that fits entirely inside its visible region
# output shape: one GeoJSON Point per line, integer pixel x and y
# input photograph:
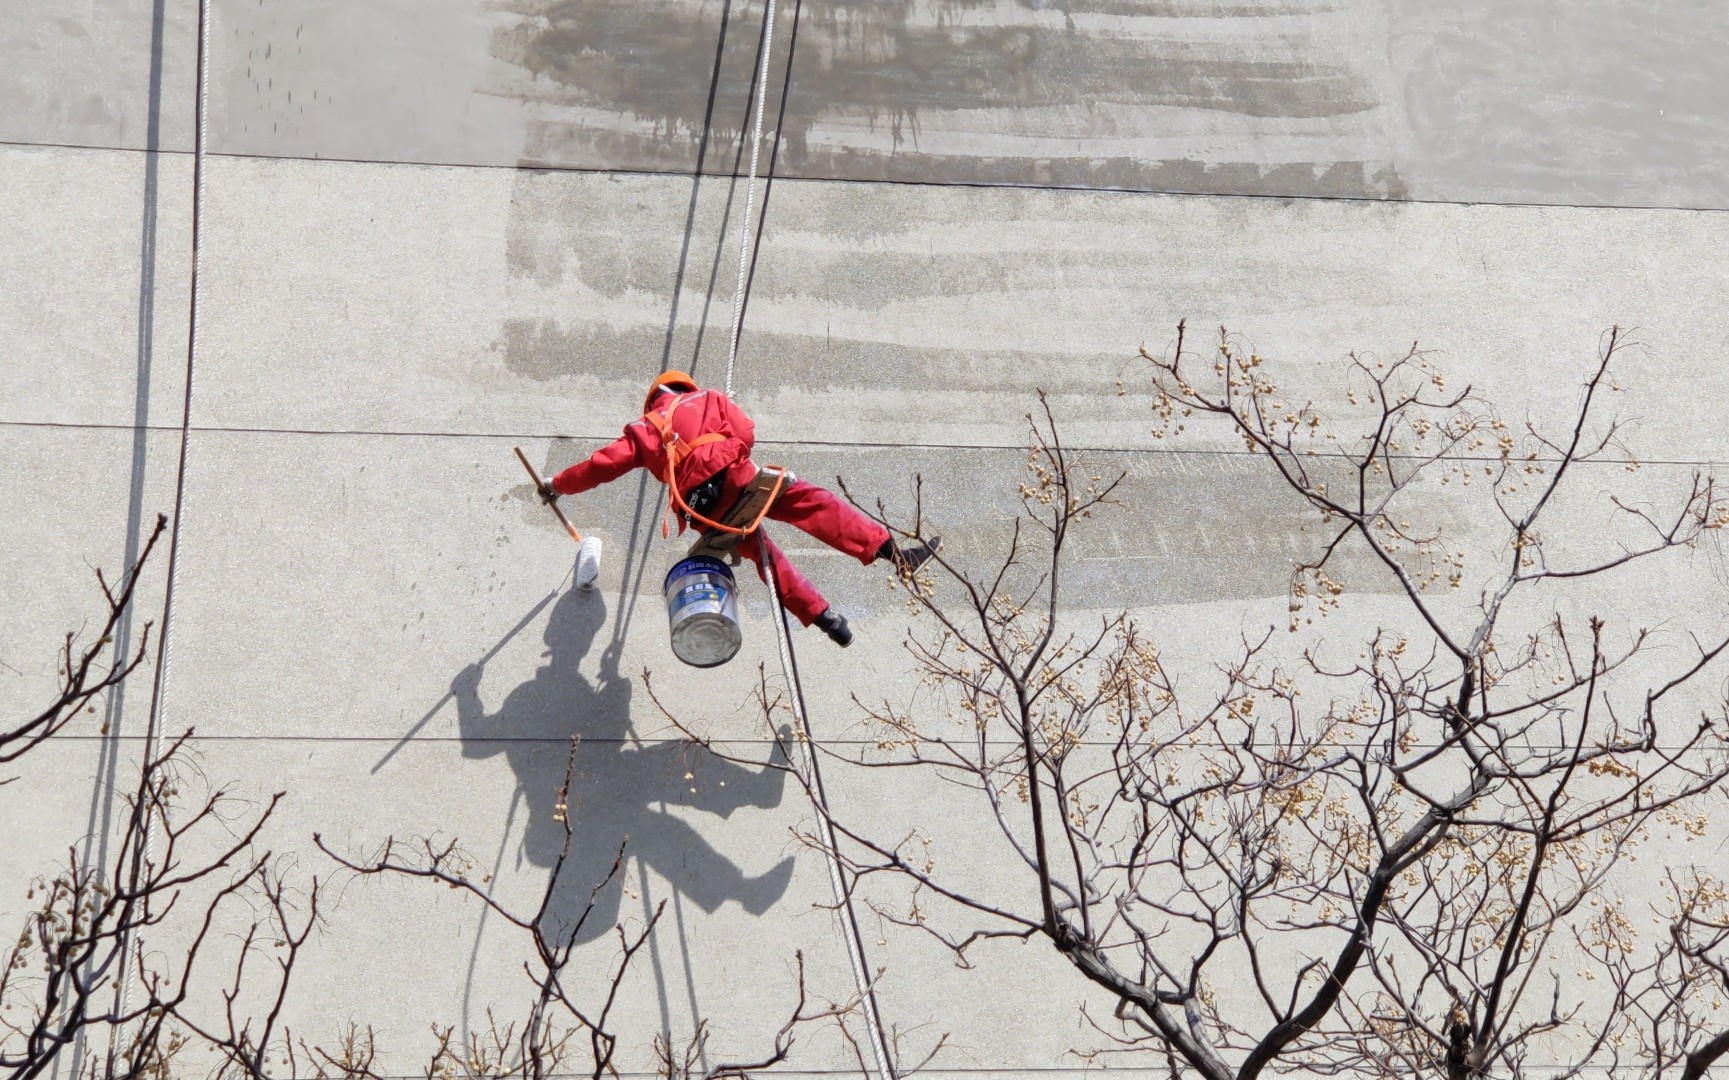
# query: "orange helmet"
{"type": "Point", "coordinates": [671, 380]}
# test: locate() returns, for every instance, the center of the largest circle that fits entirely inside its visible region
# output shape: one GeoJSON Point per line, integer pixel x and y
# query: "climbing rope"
{"type": "Point", "coordinates": [844, 911]}
{"type": "Point", "coordinates": [126, 974]}
{"type": "Point", "coordinates": [744, 245]}
{"type": "Point", "coordinates": [837, 880]}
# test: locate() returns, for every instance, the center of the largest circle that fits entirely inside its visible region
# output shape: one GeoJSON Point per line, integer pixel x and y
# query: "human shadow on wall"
{"type": "Point", "coordinates": [620, 789]}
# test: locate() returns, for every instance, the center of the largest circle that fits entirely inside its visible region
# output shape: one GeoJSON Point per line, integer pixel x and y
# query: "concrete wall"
{"type": "Point", "coordinates": [434, 230]}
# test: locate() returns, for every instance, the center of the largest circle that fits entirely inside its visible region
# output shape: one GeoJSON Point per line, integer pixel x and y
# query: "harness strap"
{"type": "Point", "coordinates": [677, 498]}
{"type": "Point", "coordinates": [746, 514]}
{"type": "Point", "coordinates": [676, 449]}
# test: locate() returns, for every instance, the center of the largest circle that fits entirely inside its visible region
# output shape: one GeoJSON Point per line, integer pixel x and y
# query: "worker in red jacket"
{"type": "Point", "coordinates": [706, 471]}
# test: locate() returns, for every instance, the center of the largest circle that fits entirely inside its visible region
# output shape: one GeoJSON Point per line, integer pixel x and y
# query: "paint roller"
{"type": "Point", "coordinates": [587, 550]}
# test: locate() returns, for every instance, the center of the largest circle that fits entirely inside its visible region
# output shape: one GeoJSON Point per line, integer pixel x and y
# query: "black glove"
{"type": "Point", "coordinates": [547, 495]}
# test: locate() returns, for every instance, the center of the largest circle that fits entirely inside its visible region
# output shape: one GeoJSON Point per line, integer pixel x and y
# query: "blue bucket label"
{"type": "Point", "coordinates": [701, 564]}
{"type": "Point", "coordinates": [691, 596]}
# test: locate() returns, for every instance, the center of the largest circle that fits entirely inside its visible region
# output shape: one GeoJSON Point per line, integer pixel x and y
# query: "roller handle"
{"type": "Point", "coordinates": [540, 486]}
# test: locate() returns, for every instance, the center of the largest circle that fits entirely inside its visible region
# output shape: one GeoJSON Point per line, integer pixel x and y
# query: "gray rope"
{"type": "Point", "coordinates": [831, 851]}
{"type": "Point", "coordinates": [127, 973]}
{"type": "Point", "coordinates": [744, 245]}
{"type": "Point", "coordinates": [789, 667]}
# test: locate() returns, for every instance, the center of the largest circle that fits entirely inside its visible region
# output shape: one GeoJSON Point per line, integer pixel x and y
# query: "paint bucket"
{"type": "Point", "coordinates": [702, 607]}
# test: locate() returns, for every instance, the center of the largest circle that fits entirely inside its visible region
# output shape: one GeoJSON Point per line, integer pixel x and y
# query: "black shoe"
{"type": "Point", "coordinates": [833, 623]}
{"type": "Point", "coordinates": [909, 557]}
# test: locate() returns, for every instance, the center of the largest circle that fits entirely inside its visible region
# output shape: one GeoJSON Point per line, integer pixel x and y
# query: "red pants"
{"type": "Point", "coordinates": [827, 517]}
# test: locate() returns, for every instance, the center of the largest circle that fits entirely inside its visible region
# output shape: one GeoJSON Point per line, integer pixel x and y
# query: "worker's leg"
{"type": "Point", "coordinates": [829, 518]}
{"type": "Point", "coordinates": [690, 864]}
{"type": "Point", "coordinates": [797, 594]}
{"type": "Point", "coordinates": [684, 774]}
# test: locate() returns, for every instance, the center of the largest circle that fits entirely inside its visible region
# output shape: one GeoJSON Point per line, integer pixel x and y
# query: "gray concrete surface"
{"type": "Point", "coordinates": [377, 332]}
{"type": "Point", "coordinates": [1600, 103]}
{"type": "Point", "coordinates": [526, 301]}
{"type": "Point", "coordinates": [93, 287]}
{"type": "Point", "coordinates": [68, 489]}
{"type": "Point", "coordinates": [110, 73]}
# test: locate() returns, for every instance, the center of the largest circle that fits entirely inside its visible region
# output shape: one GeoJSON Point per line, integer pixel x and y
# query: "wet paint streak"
{"type": "Point", "coordinates": [1310, 179]}
{"type": "Point", "coordinates": [877, 61]}
{"type": "Point", "coordinates": [545, 349]}
{"type": "Point", "coordinates": [874, 82]}
{"type": "Point", "coordinates": [1195, 528]}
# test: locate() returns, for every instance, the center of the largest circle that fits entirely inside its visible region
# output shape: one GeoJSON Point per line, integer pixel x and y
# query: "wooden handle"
{"type": "Point", "coordinates": [535, 476]}
{"type": "Point", "coordinates": [540, 485]}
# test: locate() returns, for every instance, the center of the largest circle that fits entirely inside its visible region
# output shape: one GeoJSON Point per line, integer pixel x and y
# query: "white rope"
{"type": "Point", "coordinates": [831, 851]}
{"type": "Point", "coordinates": [837, 882]}
{"type": "Point", "coordinates": [744, 244]}
{"type": "Point", "coordinates": [153, 735]}
{"type": "Point", "coordinates": [127, 974]}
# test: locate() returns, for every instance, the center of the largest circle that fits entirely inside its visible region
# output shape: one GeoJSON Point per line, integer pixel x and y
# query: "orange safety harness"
{"type": "Point", "coordinates": [677, 448]}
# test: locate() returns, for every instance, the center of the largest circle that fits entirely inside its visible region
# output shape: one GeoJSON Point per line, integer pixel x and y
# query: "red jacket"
{"type": "Point", "coordinates": [698, 413]}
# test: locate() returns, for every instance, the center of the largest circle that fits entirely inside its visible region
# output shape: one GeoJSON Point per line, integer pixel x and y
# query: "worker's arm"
{"type": "Point", "coordinates": [603, 466]}
{"type": "Point", "coordinates": [471, 717]}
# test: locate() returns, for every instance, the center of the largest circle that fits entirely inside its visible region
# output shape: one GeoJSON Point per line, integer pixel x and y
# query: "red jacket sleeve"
{"type": "Point", "coordinates": [603, 466]}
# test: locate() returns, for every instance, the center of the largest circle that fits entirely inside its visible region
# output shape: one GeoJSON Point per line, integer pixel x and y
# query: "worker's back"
{"type": "Point", "coordinates": [691, 416]}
